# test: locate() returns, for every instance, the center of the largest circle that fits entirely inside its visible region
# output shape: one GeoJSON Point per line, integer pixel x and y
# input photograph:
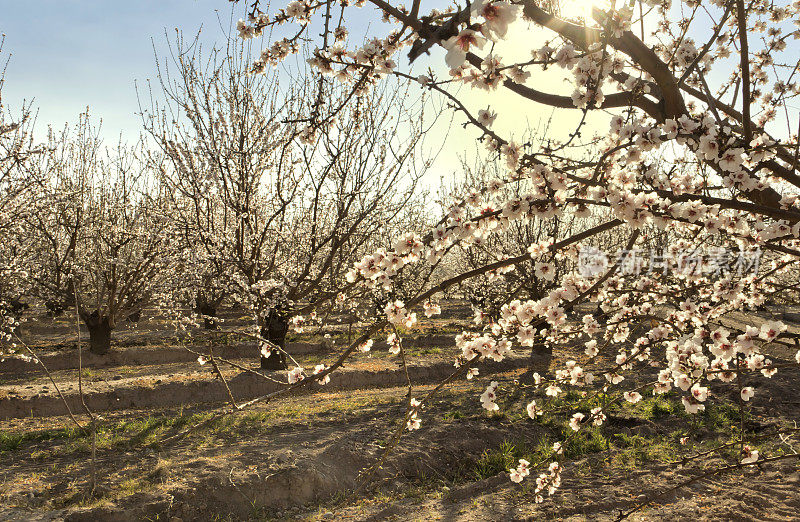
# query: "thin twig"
{"type": "Point", "coordinates": [50, 376]}
{"type": "Point", "coordinates": [222, 377]}
{"type": "Point", "coordinates": [711, 473]}
{"type": "Point", "coordinates": [741, 16]}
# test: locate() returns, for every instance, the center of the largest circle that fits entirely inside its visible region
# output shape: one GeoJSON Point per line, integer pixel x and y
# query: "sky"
{"type": "Point", "coordinates": [67, 55]}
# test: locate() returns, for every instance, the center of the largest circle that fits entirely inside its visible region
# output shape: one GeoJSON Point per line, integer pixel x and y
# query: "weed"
{"type": "Point", "coordinates": [588, 440]}
{"type": "Point", "coordinates": [453, 415]}
{"type": "Point", "coordinates": [500, 459]}
{"type": "Point", "coordinates": [10, 440]}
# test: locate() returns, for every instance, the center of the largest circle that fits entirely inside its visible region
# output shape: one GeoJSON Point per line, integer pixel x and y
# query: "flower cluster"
{"type": "Point", "coordinates": [679, 168]}
{"type": "Point", "coordinates": [295, 375]}
{"type": "Point", "coordinates": [489, 395]}
{"type": "Point", "coordinates": [413, 421]}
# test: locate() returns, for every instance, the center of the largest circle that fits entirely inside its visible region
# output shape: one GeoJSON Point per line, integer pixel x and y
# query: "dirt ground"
{"type": "Point", "coordinates": [313, 456]}
{"type": "Point", "coordinates": [301, 459]}
{"type": "Point", "coordinates": [150, 366]}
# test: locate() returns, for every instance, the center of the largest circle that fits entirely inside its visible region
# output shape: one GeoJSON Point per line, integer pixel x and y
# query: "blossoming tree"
{"type": "Point", "coordinates": [16, 190]}
{"type": "Point", "coordinates": [690, 103]}
{"type": "Point", "coordinates": [70, 160]}
{"type": "Point", "coordinates": [98, 237]}
{"type": "Point", "coordinates": [272, 210]}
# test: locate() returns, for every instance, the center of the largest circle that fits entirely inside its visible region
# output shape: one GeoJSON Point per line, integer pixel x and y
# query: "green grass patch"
{"type": "Point", "coordinates": [585, 442]}
{"type": "Point", "coordinates": [151, 429]}
{"type": "Point", "coordinates": [722, 417]}
{"type": "Point", "coordinates": [633, 451]}
{"type": "Point", "coordinates": [655, 407]}
{"type": "Point", "coordinates": [13, 440]}
{"type": "Point", "coordinates": [507, 455]}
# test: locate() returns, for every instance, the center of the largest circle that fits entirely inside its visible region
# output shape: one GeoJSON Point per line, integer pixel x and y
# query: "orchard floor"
{"type": "Point", "coordinates": [310, 456]}
{"type": "Point", "coordinates": [300, 458]}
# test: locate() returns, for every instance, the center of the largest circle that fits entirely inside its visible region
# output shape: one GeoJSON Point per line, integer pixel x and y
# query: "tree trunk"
{"type": "Point", "coordinates": [273, 329]}
{"type": "Point", "coordinates": [99, 333]}
{"type": "Point", "coordinates": [136, 315]}
{"type": "Point", "coordinates": [54, 308]}
{"type": "Point", "coordinates": [209, 312]}
{"type": "Point", "coordinates": [209, 319]}
{"type": "Point", "coordinates": [541, 356]}
{"type": "Point", "coordinates": [17, 307]}
{"type": "Point", "coordinates": [57, 306]}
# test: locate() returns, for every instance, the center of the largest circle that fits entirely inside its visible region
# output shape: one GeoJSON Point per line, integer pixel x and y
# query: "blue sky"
{"type": "Point", "coordinates": [69, 54]}
{"type": "Point", "coordinates": [66, 55]}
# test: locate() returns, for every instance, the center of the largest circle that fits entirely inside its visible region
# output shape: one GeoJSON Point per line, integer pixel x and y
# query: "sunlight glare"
{"type": "Point", "coordinates": [581, 9]}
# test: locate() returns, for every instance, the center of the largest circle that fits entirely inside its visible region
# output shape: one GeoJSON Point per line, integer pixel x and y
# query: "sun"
{"type": "Point", "coordinates": [580, 9]}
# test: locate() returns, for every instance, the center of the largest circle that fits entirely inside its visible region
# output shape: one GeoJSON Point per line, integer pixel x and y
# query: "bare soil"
{"type": "Point", "coordinates": [165, 451]}
{"type": "Point", "coordinates": [190, 384]}
{"type": "Point", "coordinates": [303, 458]}
{"type": "Point", "coordinates": [159, 372]}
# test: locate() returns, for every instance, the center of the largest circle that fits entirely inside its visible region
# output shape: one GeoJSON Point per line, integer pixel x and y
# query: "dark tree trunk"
{"type": "Point", "coordinates": [209, 312]}
{"type": "Point", "coordinates": [541, 356]}
{"type": "Point", "coordinates": [136, 315]}
{"type": "Point", "coordinates": [17, 307]}
{"type": "Point", "coordinates": [65, 301]}
{"type": "Point", "coordinates": [54, 308]}
{"type": "Point", "coordinates": [99, 333]}
{"type": "Point", "coordinates": [210, 319]}
{"type": "Point", "coordinates": [273, 329]}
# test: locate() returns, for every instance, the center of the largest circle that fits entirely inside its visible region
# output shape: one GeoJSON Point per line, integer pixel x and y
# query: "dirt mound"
{"type": "Point", "coordinates": [68, 360]}
{"type": "Point", "coordinates": [305, 463]}
{"type": "Point", "coordinates": [159, 391]}
{"type": "Point", "coordinates": [292, 480]}
{"type": "Point", "coordinates": [281, 482]}
{"type": "Point", "coordinates": [746, 496]}
{"type": "Point", "coordinates": [288, 482]}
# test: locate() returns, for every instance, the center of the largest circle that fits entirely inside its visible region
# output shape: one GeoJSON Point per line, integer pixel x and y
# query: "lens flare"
{"type": "Point", "coordinates": [581, 9]}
